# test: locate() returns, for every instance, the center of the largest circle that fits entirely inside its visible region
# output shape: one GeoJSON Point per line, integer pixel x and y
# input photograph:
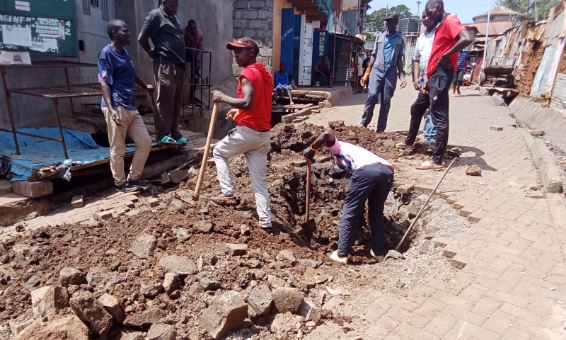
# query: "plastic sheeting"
{"type": "Point", "coordinates": [37, 152]}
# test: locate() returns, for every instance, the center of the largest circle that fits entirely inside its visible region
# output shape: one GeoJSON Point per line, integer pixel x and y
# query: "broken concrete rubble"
{"type": "Point", "coordinates": [260, 301]}
{"type": "Point", "coordinates": [161, 331]}
{"type": "Point", "coordinates": [48, 300]}
{"type": "Point", "coordinates": [287, 299]}
{"type": "Point", "coordinates": [143, 245]}
{"type": "Point", "coordinates": [178, 264]}
{"type": "Point", "coordinates": [236, 249]}
{"type": "Point", "coordinates": [71, 277]}
{"type": "Point", "coordinates": [224, 314]}
{"type": "Point", "coordinates": [61, 327]}
{"type": "Point", "coordinates": [112, 306]}
{"type": "Point", "coordinates": [171, 282]}
{"type": "Point", "coordinates": [91, 312]}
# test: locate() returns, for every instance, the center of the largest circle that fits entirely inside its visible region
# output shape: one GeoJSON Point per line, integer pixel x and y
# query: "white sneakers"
{"type": "Point", "coordinates": [430, 165]}
{"type": "Point", "coordinates": [334, 256]}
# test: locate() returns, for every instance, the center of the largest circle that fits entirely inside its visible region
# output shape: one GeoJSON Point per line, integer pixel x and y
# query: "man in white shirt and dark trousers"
{"type": "Point", "coordinates": [371, 180]}
{"type": "Point", "coordinates": [420, 64]}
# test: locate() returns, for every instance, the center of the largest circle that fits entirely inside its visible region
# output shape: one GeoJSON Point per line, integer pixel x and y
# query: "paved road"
{"type": "Point", "coordinates": [514, 283]}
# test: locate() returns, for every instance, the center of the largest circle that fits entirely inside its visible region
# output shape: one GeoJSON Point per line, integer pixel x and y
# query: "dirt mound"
{"type": "Point", "coordinates": [176, 225]}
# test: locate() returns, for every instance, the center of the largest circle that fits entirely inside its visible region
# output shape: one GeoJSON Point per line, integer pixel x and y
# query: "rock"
{"type": "Point", "coordinates": [178, 264]}
{"type": "Point", "coordinates": [18, 326]}
{"type": "Point", "coordinates": [33, 281]}
{"type": "Point", "coordinates": [77, 202]}
{"type": "Point", "coordinates": [177, 176]}
{"type": "Point", "coordinates": [200, 263]}
{"type": "Point", "coordinates": [245, 230]}
{"type": "Point", "coordinates": [210, 259]}
{"type": "Point", "coordinates": [61, 327]}
{"type": "Point", "coordinates": [309, 263]}
{"type": "Point", "coordinates": [473, 170]}
{"type": "Point", "coordinates": [276, 282]}
{"type": "Point", "coordinates": [286, 323]}
{"type": "Point", "coordinates": [308, 310]}
{"type": "Point", "coordinates": [145, 319]}
{"type": "Point", "coordinates": [171, 282]}
{"type": "Point", "coordinates": [48, 300]}
{"type": "Point", "coordinates": [161, 331]}
{"type": "Point", "coordinates": [393, 254]}
{"type": "Point", "coordinates": [152, 291]}
{"type": "Point", "coordinates": [496, 128]}
{"type": "Point", "coordinates": [95, 276]}
{"type": "Point", "coordinates": [260, 301]}
{"type": "Point", "coordinates": [287, 299]}
{"type": "Point", "coordinates": [286, 256]}
{"type": "Point", "coordinates": [91, 312]}
{"type": "Point", "coordinates": [143, 245]}
{"type": "Point", "coordinates": [454, 152]}
{"type": "Point", "coordinates": [236, 249]}
{"type": "Point", "coordinates": [182, 234]}
{"type": "Point", "coordinates": [537, 133]}
{"type": "Point", "coordinates": [153, 202]}
{"type": "Point", "coordinates": [102, 216]}
{"type": "Point", "coordinates": [224, 314]}
{"type": "Point", "coordinates": [314, 278]}
{"type": "Point", "coordinates": [176, 205]}
{"type": "Point", "coordinates": [71, 277]}
{"type": "Point", "coordinates": [204, 226]}
{"type": "Point", "coordinates": [209, 284]}
{"type": "Point", "coordinates": [113, 306]}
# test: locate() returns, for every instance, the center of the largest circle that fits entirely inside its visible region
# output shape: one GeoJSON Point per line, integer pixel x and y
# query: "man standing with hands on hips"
{"type": "Point", "coordinates": [168, 54]}
{"type": "Point", "coordinates": [450, 38]}
{"type": "Point", "coordinates": [386, 63]}
{"type": "Point", "coordinates": [252, 135]}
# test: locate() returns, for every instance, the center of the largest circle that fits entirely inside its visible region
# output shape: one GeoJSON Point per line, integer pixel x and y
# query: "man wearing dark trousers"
{"type": "Point", "coordinates": [371, 180]}
{"type": "Point", "coordinates": [450, 38]}
{"type": "Point", "coordinates": [385, 65]}
{"type": "Point", "coordinates": [168, 54]}
{"type": "Point", "coordinates": [194, 41]}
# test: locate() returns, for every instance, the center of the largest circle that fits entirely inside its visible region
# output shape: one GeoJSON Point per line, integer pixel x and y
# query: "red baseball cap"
{"type": "Point", "coordinates": [243, 43]}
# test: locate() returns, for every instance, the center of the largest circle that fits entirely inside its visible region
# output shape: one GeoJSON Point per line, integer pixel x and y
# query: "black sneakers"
{"type": "Point", "coordinates": [133, 186]}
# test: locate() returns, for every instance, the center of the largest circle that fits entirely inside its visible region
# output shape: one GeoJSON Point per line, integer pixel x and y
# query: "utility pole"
{"type": "Point", "coordinates": [419, 14]}
{"type": "Point", "coordinates": [484, 62]}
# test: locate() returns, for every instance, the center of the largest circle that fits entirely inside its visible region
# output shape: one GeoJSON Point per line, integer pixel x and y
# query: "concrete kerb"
{"type": "Point", "coordinates": [550, 173]}
{"type": "Point", "coordinates": [534, 116]}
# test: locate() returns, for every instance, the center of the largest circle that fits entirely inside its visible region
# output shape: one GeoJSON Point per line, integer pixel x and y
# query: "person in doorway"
{"type": "Point", "coordinates": [322, 72]}
{"type": "Point", "coordinates": [251, 137]}
{"type": "Point", "coordinates": [282, 83]}
{"type": "Point", "coordinates": [168, 54]}
{"type": "Point", "coordinates": [423, 50]}
{"type": "Point", "coordinates": [450, 38]}
{"type": "Point", "coordinates": [118, 80]}
{"type": "Point", "coordinates": [371, 180]}
{"type": "Point", "coordinates": [459, 76]}
{"type": "Point", "coordinates": [385, 66]}
{"type": "Point", "coordinates": [194, 41]}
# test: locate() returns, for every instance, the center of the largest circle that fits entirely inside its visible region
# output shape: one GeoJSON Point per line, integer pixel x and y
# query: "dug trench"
{"type": "Point", "coordinates": [171, 267]}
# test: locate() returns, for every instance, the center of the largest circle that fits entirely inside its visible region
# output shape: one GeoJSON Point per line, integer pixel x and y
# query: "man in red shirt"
{"type": "Point", "coordinates": [252, 135]}
{"type": "Point", "coordinates": [450, 38]}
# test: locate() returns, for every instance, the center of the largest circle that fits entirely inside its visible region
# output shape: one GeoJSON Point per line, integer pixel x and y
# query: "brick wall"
{"type": "Point", "coordinates": [254, 18]}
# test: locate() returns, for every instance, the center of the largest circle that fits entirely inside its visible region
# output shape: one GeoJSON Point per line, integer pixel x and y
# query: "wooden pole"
{"type": "Point", "coordinates": [308, 198]}
{"type": "Point", "coordinates": [206, 150]}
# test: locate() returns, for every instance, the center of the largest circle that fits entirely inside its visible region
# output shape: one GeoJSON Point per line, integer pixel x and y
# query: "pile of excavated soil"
{"type": "Point", "coordinates": [292, 256]}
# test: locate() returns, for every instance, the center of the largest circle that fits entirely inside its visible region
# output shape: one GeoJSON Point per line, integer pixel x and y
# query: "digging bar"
{"type": "Point", "coordinates": [196, 193]}
{"type": "Point", "coordinates": [408, 232]}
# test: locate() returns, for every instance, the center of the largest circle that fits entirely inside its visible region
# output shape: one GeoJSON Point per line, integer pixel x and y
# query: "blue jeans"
{"type": "Point", "coordinates": [429, 130]}
{"type": "Point", "coordinates": [370, 183]}
{"type": "Point", "coordinates": [382, 91]}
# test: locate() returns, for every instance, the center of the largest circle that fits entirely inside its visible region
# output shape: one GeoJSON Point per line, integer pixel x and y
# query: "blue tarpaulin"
{"type": "Point", "coordinates": [35, 152]}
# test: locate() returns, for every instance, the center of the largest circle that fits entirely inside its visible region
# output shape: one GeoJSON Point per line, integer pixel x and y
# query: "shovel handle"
{"type": "Point", "coordinates": [308, 198]}
{"type": "Point", "coordinates": [196, 193]}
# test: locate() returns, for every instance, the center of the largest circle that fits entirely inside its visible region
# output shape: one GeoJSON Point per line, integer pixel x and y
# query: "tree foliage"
{"type": "Point", "coordinates": [375, 20]}
{"type": "Point", "coordinates": [527, 7]}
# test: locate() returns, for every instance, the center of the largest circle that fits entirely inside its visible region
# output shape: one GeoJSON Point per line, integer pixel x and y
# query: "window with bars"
{"type": "Point", "coordinates": [104, 9]}
{"type": "Point", "coordinates": [94, 3]}
{"type": "Point", "coordinates": [86, 7]}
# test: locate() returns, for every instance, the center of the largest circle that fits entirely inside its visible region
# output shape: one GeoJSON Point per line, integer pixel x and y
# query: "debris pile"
{"type": "Point", "coordinates": [184, 269]}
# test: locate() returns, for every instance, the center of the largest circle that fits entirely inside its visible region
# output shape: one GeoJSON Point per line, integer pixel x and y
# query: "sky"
{"type": "Point", "coordinates": [465, 9]}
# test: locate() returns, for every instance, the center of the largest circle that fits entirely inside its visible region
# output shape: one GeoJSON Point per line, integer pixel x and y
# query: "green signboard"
{"type": "Point", "coordinates": [42, 27]}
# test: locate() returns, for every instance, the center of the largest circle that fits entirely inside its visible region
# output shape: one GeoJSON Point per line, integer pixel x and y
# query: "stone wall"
{"type": "Point", "coordinates": [254, 18]}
